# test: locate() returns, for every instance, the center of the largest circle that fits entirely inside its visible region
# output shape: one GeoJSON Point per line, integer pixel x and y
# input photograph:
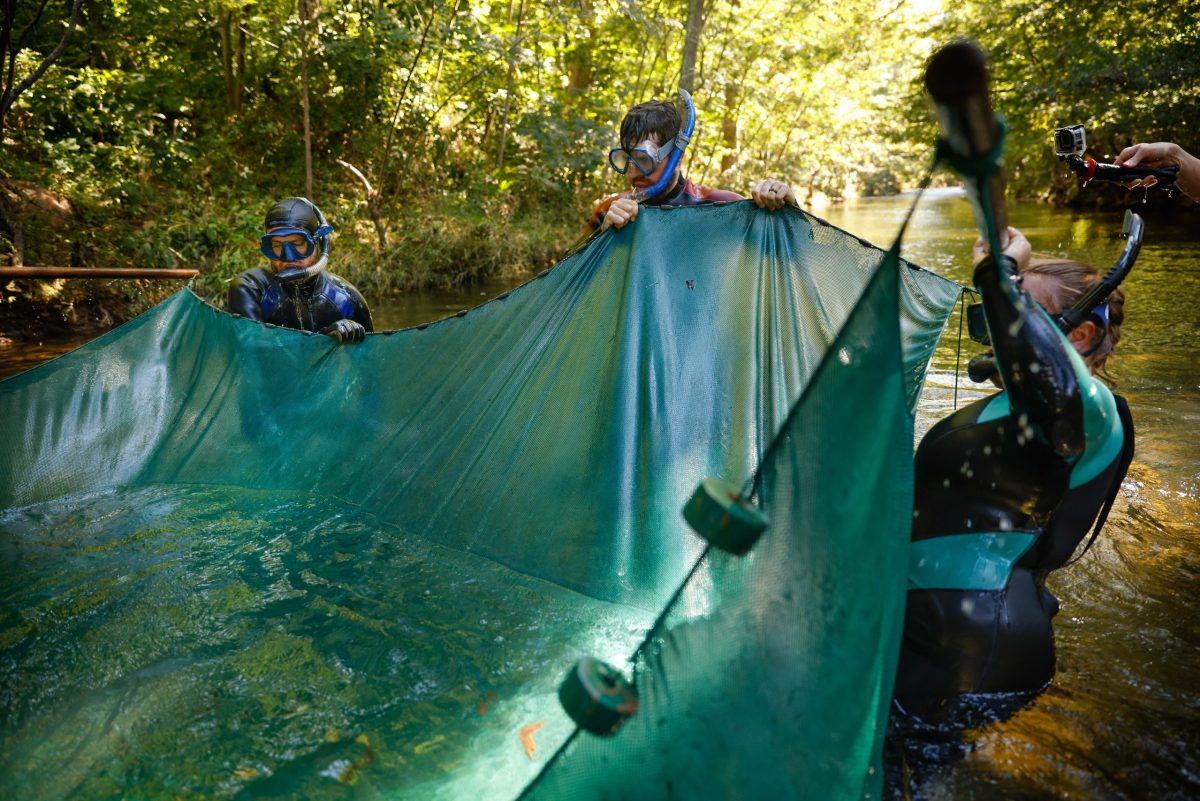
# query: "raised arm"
{"type": "Point", "coordinates": [1043, 383]}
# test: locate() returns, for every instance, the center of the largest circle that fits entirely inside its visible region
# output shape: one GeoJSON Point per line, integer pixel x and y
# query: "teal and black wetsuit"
{"type": "Point", "coordinates": [311, 304]}
{"type": "Point", "coordinates": [1005, 490]}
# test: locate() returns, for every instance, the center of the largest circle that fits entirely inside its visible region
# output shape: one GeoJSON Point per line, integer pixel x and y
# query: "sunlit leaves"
{"type": "Point", "coordinates": [823, 93]}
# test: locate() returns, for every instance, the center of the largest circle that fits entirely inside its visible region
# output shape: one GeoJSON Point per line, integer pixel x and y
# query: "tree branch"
{"type": "Point", "coordinates": [24, 37]}
{"type": "Point", "coordinates": [372, 203]}
{"type": "Point", "coordinates": [10, 96]}
{"type": "Point", "coordinates": [357, 174]}
{"type": "Point", "coordinates": [412, 68]}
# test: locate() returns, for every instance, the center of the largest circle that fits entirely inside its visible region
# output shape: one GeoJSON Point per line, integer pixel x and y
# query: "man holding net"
{"type": "Point", "coordinates": [296, 291]}
{"type": "Point", "coordinates": [653, 139]}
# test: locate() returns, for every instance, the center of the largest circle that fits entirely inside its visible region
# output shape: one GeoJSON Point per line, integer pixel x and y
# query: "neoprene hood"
{"type": "Point", "coordinates": [298, 212]}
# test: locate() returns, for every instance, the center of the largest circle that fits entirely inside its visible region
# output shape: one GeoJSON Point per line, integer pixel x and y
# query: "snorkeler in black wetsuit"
{"type": "Point", "coordinates": [297, 292]}
{"type": "Point", "coordinates": [1005, 490]}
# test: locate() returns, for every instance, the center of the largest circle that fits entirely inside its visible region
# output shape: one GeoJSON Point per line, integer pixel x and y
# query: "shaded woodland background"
{"type": "Point", "coordinates": [449, 141]}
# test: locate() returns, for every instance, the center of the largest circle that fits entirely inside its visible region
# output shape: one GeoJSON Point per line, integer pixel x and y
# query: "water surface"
{"type": "Point", "coordinates": [1122, 718]}
{"type": "Point", "coordinates": [198, 642]}
{"type": "Point", "coordinates": [168, 665]}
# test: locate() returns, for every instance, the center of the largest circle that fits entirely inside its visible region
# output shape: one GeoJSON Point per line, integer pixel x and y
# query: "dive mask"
{"type": "Point", "coordinates": [645, 158]}
{"type": "Point", "coordinates": [281, 245]}
{"type": "Point", "coordinates": [977, 325]}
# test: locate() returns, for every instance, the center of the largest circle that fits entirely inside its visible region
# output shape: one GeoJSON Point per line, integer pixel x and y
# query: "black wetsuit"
{"type": "Point", "coordinates": [1005, 490]}
{"type": "Point", "coordinates": [311, 304]}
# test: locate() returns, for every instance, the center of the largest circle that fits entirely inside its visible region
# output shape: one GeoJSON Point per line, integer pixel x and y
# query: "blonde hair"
{"type": "Point", "coordinates": [1069, 279]}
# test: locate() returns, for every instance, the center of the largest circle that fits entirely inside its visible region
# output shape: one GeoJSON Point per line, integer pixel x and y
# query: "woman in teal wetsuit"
{"type": "Point", "coordinates": [1007, 487]}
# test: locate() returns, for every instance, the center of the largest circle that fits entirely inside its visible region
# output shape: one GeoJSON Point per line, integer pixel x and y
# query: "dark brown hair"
{"type": "Point", "coordinates": [656, 118]}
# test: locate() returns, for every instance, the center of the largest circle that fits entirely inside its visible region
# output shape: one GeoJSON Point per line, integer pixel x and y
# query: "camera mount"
{"type": "Point", "coordinates": [1070, 144]}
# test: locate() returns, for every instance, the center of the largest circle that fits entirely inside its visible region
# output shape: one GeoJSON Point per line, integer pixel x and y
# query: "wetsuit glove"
{"type": "Point", "coordinates": [345, 331]}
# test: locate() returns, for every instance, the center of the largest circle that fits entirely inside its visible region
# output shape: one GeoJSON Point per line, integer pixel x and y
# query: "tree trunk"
{"type": "Point", "coordinates": [660, 52]}
{"type": "Point", "coordinates": [512, 74]}
{"type": "Point", "coordinates": [239, 75]}
{"type": "Point", "coordinates": [412, 69]}
{"type": "Point", "coordinates": [307, 11]}
{"type": "Point", "coordinates": [691, 45]}
{"type": "Point", "coordinates": [729, 127]}
{"type": "Point", "coordinates": [308, 190]}
{"type": "Point", "coordinates": [227, 56]}
{"type": "Point", "coordinates": [578, 59]}
{"type": "Point", "coordinates": [18, 234]}
{"type": "Point", "coordinates": [7, 59]}
{"type": "Point", "coordinates": [437, 76]}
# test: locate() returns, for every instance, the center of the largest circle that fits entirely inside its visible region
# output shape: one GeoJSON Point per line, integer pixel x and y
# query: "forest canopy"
{"type": "Point", "coordinates": [450, 140]}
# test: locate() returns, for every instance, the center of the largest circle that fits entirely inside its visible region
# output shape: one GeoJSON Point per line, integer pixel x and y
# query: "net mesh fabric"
{"type": "Point", "coordinates": [771, 677]}
{"type": "Point", "coordinates": [553, 436]}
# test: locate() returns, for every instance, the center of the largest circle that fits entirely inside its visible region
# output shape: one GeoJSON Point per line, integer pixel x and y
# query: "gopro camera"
{"type": "Point", "coordinates": [1070, 141]}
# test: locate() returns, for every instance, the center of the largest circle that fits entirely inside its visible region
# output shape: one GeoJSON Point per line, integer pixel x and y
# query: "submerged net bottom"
{"type": "Point", "coordinates": [186, 642]}
{"type": "Point", "coordinates": [514, 480]}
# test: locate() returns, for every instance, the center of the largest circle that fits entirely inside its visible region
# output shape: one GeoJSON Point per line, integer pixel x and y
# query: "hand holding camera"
{"type": "Point", "coordinates": [1070, 144]}
{"type": "Point", "coordinates": [1158, 154]}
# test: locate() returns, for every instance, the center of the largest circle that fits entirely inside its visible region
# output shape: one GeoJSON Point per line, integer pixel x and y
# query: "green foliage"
{"type": "Point", "coordinates": [482, 126]}
{"type": "Point", "coordinates": [1128, 70]}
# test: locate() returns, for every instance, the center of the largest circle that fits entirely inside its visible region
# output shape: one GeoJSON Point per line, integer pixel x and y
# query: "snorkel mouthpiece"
{"type": "Point", "coordinates": [981, 368]}
{"type": "Point", "coordinates": [681, 142]}
{"type": "Point", "coordinates": [291, 274]}
{"type": "Point", "coordinates": [301, 273]}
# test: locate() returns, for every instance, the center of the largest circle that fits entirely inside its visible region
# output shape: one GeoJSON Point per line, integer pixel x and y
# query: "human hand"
{"type": "Point", "coordinates": [1156, 154]}
{"type": "Point", "coordinates": [623, 211]}
{"type": "Point", "coordinates": [1018, 249]}
{"type": "Point", "coordinates": [1152, 155]}
{"type": "Point", "coordinates": [345, 331]}
{"type": "Point", "coordinates": [771, 194]}
{"type": "Point", "coordinates": [1163, 154]}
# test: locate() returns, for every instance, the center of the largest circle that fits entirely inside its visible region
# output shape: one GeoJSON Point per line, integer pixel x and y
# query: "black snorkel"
{"type": "Point", "coordinates": [1087, 303]}
{"type": "Point", "coordinates": [983, 367]}
{"type": "Point", "coordinates": [971, 140]}
{"type": "Point", "coordinates": [681, 142]}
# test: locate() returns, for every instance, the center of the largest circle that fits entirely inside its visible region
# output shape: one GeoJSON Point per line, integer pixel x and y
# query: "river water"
{"type": "Point", "coordinates": [1121, 719]}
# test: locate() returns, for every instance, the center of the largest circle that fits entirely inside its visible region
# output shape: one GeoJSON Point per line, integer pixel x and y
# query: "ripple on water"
{"type": "Point", "coordinates": [1121, 719]}
{"type": "Point", "coordinates": [210, 641]}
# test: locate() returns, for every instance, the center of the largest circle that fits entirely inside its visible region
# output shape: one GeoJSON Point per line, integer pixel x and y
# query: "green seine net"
{"type": "Point", "coordinates": [246, 561]}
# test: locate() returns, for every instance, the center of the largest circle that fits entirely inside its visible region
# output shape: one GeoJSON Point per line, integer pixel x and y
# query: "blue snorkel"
{"type": "Point", "coordinates": [681, 142]}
